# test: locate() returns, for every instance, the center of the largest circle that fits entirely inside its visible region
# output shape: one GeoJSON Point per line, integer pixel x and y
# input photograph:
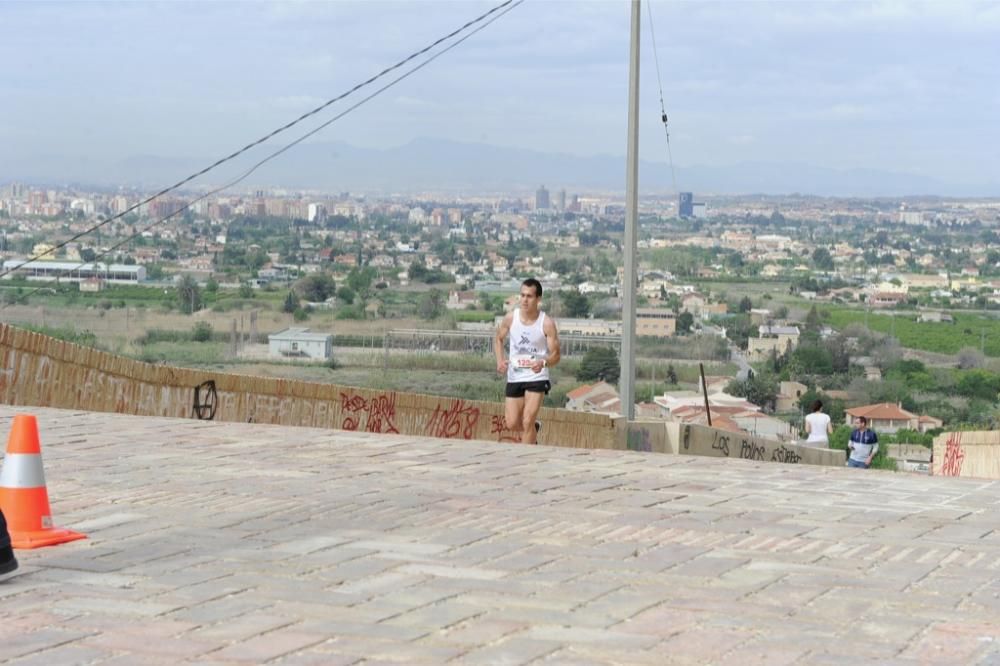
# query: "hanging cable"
{"type": "Point", "coordinates": [512, 4]}
{"type": "Point", "coordinates": [270, 135]}
{"type": "Point", "coordinates": [663, 108]}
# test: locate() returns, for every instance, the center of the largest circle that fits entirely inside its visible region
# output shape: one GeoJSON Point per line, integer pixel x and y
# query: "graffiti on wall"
{"type": "Point", "coordinates": [379, 412]}
{"type": "Point", "coordinates": [206, 400]}
{"type": "Point", "coordinates": [954, 454]}
{"type": "Point", "coordinates": [785, 455]}
{"type": "Point", "coordinates": [458, 419]}
{"type": "Point", "coordinates": [498, 427]}
{"type": "Point", "coordinates": [721, 443]}
{"type": "Point", "coordinates": [751, 450]}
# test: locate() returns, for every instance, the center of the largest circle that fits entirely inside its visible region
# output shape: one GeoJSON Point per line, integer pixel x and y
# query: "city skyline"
{"type": "Point", "coordinates": [839, 87]}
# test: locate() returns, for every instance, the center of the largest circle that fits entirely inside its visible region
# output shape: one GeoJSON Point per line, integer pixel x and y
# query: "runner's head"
{"type": "Point", "coordinates": [534, 284]}
{"type": "Point", "coordinates": [531, 295]}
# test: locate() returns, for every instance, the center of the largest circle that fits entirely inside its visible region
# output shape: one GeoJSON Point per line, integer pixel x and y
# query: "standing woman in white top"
{"type": "Point", "coordinates": [818, 426]}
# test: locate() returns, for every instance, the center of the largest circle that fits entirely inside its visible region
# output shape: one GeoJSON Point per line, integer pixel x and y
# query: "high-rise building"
{"type": "Point", "coordinates": [316, 212]}
{"type": "Point", "coordinates": [542, 199]}
{"type": "Point", "coordinates": [685, 204]}
{"type": "Point", "coordinates": [562, 200]}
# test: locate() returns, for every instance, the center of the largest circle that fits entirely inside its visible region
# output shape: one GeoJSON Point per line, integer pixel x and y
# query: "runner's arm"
{"type": "Point", "coordinates": [552, 340]}
{"type": "Point", "coordinates": [502, 331]}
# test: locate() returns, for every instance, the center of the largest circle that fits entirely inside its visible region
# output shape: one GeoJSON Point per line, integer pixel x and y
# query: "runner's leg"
{"type": "Point", "coordinates": [513, 407]}
{"type": "Point", "coordinates": [532, 403]}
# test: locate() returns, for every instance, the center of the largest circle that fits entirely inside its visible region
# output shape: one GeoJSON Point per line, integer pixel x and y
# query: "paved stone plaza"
{"type": "Point", "coordinates": [219, 543]}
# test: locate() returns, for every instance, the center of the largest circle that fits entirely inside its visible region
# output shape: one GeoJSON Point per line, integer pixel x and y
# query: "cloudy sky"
{"type": "Point", "coordinates": [902, 86]}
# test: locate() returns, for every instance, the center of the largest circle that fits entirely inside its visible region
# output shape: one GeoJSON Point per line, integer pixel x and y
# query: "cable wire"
{"type": "Point", "coordinates": [272, 134]}
{"type": "Point", "coordinates": [663, 109]}
{"type": "Point", "coordinates": [512, 5]}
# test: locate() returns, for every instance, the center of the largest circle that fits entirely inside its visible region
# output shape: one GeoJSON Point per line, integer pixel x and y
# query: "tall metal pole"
{"type": "Point", "coordinates": [627, 381]}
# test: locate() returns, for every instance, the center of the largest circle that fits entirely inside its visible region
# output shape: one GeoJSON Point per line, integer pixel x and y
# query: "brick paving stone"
{"type": "Point", "coordinates": [113, 606]}
{"type": "Point", "coordinates": [30, 642]}
{"type": "Point", "coordinates": [219, 610]}
{"type": "Point", "coordinates": [700, 646]}
{"type": "Point", "coordinates": [313, 657]}
{"type": "Point", "coordinates": [137, 643]}
{"type": "Point", "coordinates": [378, 650]}
{"type": "Point", "coordinates": [243, 627]}
{"type": "Point", "coordinates": [476, 631]}
{"type": "Point", "coordinates": [133, 658]}
{"type": "Point", "coordinates": [604, 637]}
{"type": "Point", "coordinates": [63, 655]}
{"type": "Point", "coordinates": [513, 651]}
{"type": "Point", "coordinates": [436, 617]}
{"type": "Point", "coordinates": [269, 646]}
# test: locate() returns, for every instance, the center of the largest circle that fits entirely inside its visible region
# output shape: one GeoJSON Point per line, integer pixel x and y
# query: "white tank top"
{"type": "Point", "coordinates": [527, 345]}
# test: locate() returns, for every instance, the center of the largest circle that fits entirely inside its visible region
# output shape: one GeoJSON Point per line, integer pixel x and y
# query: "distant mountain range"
{"type": "Point", "coordinates": [444, 165]}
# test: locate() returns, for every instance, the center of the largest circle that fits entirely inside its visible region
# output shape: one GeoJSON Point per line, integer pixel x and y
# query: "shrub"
{"type": "Point", "coordinates": [202, 332]}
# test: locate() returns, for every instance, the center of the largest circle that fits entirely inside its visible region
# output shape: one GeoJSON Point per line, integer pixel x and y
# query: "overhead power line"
{"type": "Point", "coordinates": [663, 108]}
{"type": "Point", "coordinates": [496, 12]}
{"type": "Point", "coordinates": [499, 11]}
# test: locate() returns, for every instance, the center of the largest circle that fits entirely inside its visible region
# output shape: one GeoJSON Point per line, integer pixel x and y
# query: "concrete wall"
{"type": "Point", "coordinates": [975, 454]}
{"type": "Point", "coordinates": [42, 371]}
{"type": "Point", "coordinates": [36, 370]}
{"type": "Point", "coordinates": [699, 440]}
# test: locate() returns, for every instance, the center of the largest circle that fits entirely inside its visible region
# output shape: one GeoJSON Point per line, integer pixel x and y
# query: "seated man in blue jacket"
{"type": "Point", "coordinates": [863, 444]}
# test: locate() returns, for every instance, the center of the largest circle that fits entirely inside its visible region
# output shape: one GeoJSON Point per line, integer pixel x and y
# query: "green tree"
{"type": "Point", "coordinates": [246, 291]}
{"type": "Point", "coordinates": [188, 295]}
{"type": "Point", "coordinates": [417, 271]}
{"type": "Point", "coordinates": [315, 288]}
{"type": "Point", "coordinates": [813, 323]}
{"type": "Point", "coordinates": [685, 321]}
{"type": "Point", "coordinates": [822, 259]}
{"type": "Point", "coordinates": [563, 265]}
{"type": "Point", "coordinates": [599, 363]}
{"type": "Point", "coordinates": [361, 279]}
{"type": "Point", "coordinates": [812, 359]}
{"type": "Point", "coordinates": [980, 384]}
{"type": "Point", "coordinates": [212, 286]}
{"type": "Point", "coordinates": [574, 304]}
{"type": "Point", "coordinates": [759, 388]}
{"type": "Point", "coordinates": [154, 271]}
{"type": "Point", "coordinates": [291, 303]}
{"type": "Point", "coordinates": [431, 304]}
{"type": "Point", "coordinates": [346, 294]}
{"type": "Point", "coordinates": [671, 375]}
{"type": "Point", "coordinates": [745, 304]}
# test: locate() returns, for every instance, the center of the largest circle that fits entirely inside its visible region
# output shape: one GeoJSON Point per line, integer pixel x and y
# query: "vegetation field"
{"type": "Point", "coordinates": [968, 330]}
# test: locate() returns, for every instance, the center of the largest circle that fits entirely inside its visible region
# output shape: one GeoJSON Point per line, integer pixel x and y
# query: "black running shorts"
{"type": "Point", "coordinates": [518, 389]}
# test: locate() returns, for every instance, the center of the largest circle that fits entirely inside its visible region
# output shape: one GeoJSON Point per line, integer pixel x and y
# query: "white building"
{"type": "Point", "coordinates": [316, 212]}
{"type": "Point", "coordinates": [299, 342]}
{"type": "Point", "coordinates": [74, 271]}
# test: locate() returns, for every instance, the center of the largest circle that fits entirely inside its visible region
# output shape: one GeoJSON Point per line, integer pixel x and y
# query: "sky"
{"type": "Point", "coordinates": [910, 87]}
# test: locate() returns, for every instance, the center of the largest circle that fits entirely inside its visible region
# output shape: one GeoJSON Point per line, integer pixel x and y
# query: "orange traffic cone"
{"type": "Point", "coordinates": [23, 497]}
